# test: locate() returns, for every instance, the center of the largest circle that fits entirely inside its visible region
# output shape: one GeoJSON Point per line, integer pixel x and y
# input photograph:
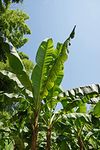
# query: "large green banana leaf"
{"type": "Point", "coordinates": [81, 96]}
{"type": "Point", "coordinates": [49, 67]}
{"type": "Point", "coordinates": [44, 60]}
{"type": "Point", "coordinates": [46, 69]}
{"type": "Point", "coordinates": [89, 94]}
{"type": "Point", "coordinates": [10, 76]}
{"type": "Point", "coordinates": [16, 64]}
{"type": "Point", "coordinates": [11, 85]}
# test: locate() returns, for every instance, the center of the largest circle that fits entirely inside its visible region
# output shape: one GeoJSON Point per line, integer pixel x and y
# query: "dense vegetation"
{"type": "Point", "coordinates": [29, 94]}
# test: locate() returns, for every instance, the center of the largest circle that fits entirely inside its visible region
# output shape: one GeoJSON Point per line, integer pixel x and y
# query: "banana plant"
{"type": "Point", "coordinates": [40, 93]}
{"type": "Point", "coordinates": [47, 71]}
{"type": "Point", "coordinates": [74, 103]}
{"type": "Point", "coordinates": [75, 117]}
{"type": "Point", "coordinates": [82, 101]}
{"type": "Point", "coordinates": [74, 109]}
{"type": "Point", "coordinates": [76, 131]}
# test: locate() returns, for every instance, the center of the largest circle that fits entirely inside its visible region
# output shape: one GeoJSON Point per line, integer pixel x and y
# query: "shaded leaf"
{"type": "Point", "coordinates": [17, 66]}
{"type": "Point", "coordinates": [97, 110]}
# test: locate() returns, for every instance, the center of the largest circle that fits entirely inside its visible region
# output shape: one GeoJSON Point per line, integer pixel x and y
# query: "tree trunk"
{"type": "Point", "coordinates": [48, 144]}
{"type": "Point", "coordinates": [35, 132]}
{"type": "Point", "coordinates": [80, 143]}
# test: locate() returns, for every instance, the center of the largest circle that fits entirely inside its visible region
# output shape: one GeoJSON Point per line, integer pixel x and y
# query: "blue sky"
{"type": "Point", "coordinates": [56, 18]}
